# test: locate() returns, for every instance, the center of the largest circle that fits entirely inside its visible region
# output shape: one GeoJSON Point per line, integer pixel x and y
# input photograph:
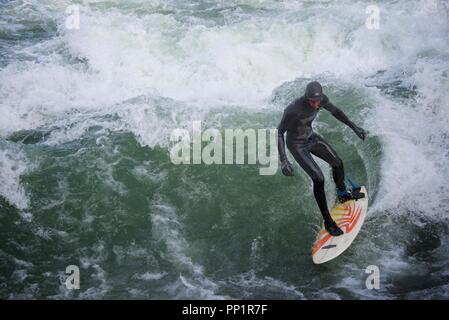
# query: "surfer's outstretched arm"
{"type": "Point", "coordinates": [341, 116]}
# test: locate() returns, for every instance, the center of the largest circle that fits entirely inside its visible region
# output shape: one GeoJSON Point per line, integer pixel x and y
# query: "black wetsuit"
{"type": "Point", "coordinates": [303, 142]}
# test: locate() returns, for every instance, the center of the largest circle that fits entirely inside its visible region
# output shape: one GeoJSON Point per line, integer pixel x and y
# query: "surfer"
{"type": "Point", "coordinates": [303, 142]}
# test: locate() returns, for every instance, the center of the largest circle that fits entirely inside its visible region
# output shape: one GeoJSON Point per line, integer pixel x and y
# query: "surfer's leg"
{"type": "Point", "coordinates": [323, 150]}
{"type": "Point", "coordinates": [305, 160]}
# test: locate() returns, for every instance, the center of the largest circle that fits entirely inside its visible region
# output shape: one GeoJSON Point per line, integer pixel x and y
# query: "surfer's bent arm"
{"type": "Point", "coordinates": [338, 114]}
{"type": "Point", "coordinates": [282, 128]}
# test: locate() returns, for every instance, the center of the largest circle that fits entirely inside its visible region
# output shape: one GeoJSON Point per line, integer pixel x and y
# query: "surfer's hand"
{"type": "Point", "coordinates": [287, 169]}
{"type": "Point", "coordinates": [360, 132]}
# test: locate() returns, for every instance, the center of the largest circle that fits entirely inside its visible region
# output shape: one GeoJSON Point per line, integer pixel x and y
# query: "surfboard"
{"type": "Point", "coordinates": [349, 216]}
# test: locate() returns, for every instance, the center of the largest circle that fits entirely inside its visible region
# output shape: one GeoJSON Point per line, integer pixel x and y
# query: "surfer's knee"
{"type": "Point", "coordinates": [337, 163]}
{"type": "Point", "coordinates": [318, 178]}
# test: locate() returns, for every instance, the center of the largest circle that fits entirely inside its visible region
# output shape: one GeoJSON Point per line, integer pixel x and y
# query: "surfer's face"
{"type": "Point", "coordinates": [315, 103]}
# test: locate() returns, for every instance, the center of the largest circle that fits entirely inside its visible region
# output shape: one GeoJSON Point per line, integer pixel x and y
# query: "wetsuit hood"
{"type": "Point", "coordinates": [314, 91]}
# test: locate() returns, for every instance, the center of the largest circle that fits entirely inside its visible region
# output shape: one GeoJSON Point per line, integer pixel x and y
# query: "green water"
{"type": "Point", "coordinates": [87, 178]}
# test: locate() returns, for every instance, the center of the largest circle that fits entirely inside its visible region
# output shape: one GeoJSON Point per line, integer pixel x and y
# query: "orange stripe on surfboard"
{"type": "Point", "coordinates": [348, 221]}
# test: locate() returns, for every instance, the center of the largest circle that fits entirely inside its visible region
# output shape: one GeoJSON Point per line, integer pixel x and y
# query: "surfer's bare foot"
{"type": "Point", "coordinates": [333, 229]}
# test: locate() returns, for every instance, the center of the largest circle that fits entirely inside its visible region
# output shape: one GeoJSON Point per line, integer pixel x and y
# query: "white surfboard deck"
{"type": "Point", "coordinates": [349, 216]}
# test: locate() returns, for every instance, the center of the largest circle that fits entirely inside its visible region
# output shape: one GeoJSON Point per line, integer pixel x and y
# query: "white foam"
{"type": "Point", "coordinates": [97, 276]}
{"type": "Point", "coordinates": [13, 164]}
{"type": "Point", "coordinates": [20, 275]}
{"type": "Point", "coordinates": [240, 62]}
{"type": "Point", "coordinates": [413, 172]}
{"type": "Point", "coordinates": [147, 276]}
{"type": "Point", "coordinates": [248, 282]}
{"type": "Point", "coordinates": [192, 283]}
